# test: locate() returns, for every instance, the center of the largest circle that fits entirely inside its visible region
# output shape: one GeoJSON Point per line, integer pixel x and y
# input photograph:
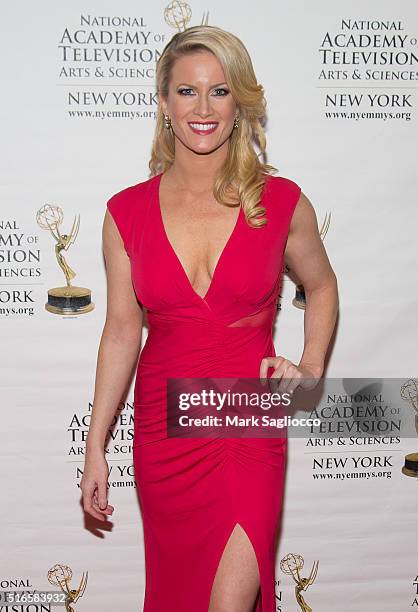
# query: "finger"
{"type": "Point", "coordinates": [268, 362]}
{"type": "Point", "coordinates": [102, 494]}
{"type": "Point", "coordinates": [293, 385]}
{"type": "Point", "coordinates": [88, 494]}
{"type": "Point", "coordinates": [280, 369]}
{"type": "Point", "coordinates": [287, 377]}
{"type": "Point", "coordinates": [274, 380]}
{"type": "Point", "coordinates": [108, 510]}
{"type": "Point", "coordinates": [296, 382]}
{"type": "Point", "coordinates": [284, 373]}
{"type": "Point", "coordinates": [265, 363]}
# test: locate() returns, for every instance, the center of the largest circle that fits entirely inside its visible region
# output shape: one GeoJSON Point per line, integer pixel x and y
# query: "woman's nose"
{"type": "Point", "coordinates": [203, 106]}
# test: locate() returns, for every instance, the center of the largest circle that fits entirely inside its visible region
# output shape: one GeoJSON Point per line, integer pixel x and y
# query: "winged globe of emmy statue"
{"type": "Point", "coordinates": [292, 564]}
{"type": "Point", "coordinates": [60, 575]}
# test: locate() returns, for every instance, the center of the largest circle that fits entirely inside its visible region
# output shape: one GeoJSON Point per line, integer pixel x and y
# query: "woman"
{"type": "Point", "coordinates": [201, 245]}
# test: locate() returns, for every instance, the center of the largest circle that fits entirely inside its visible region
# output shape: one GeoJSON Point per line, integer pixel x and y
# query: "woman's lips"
{"type": "Point", "coordinates": [204, 132]}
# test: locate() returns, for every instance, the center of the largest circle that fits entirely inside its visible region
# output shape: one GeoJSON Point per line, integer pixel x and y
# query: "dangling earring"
{"type": "Point", "coordinates": [167, 121]}
{"type": "Point", "coordinates": [236, 122]}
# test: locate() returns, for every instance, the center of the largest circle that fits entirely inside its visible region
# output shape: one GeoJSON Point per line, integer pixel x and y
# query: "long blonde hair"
{"type": "Point", "coordinates": [243, 174]}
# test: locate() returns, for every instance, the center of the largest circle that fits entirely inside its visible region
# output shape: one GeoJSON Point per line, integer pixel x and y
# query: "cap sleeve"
{"type": "Point", "coordinates": [285, 193]}
{"type": "Point", "coordinates": [291, 192]}
{"type": "Point", "coordinates": [120, 206]}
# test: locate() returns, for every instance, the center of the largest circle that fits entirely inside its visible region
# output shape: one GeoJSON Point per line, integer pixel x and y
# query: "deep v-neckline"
{"type": "Point", "coordinates": [221, 256]}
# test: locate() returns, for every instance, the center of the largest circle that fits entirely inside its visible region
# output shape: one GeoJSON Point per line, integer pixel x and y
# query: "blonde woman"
{"type": "Point", "coordinates": [201, 246]}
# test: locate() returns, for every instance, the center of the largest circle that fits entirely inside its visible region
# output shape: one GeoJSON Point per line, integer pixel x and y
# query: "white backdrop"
{"type": "Point", "coordinates": [341, 85]}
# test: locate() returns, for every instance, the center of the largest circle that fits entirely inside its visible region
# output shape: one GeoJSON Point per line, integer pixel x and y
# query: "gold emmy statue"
{"type": "Point", "coordinates": [409, 392]}
{"type": "Point", "coordinates": [60, 575]}
{"type": "Point", "coordinates": [67, 300]}
{"type": "Point", "coordinates": [177, 14]}
{"type": "Point", "coordinates": [300, 299]}
{"type": "Point", "coordinates": [291, 564]}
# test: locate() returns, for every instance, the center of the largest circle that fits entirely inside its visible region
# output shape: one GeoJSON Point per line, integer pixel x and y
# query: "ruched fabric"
{"type": "Point", "coordinates": [193, 491]}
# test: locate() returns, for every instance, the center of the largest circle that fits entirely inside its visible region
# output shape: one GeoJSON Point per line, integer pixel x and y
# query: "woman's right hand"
{"type": "Point", "coordinates": [94, 485]}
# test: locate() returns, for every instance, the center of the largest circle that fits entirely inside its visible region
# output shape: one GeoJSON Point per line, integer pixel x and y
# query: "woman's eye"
{"type": "Point", "coordinates": [186, 89]}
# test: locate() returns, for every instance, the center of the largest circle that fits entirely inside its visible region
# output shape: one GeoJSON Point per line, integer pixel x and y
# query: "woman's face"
{"type": "Point", "coordinates": [198, 94]}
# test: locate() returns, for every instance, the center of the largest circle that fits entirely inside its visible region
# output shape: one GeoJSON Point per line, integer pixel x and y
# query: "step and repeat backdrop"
{"type": "Point", "coordinates": [78, 115]}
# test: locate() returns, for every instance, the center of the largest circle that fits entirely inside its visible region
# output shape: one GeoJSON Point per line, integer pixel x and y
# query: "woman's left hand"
{"type": "Point", "coordinates": [288, 375]}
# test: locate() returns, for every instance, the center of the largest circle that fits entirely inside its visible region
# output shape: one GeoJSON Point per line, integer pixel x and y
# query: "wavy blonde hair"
{"type": "Point", "coordinates": [242, 175]}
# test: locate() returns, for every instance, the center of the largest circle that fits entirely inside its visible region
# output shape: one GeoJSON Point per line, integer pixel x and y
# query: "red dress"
{"type": "Point", "coordinates": [194, 490]}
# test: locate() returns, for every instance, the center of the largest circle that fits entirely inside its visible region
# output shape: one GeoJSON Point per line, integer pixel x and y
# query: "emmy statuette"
{"type": "Point", "coordinates": [409, 392]}
{"type": "Point", "coordinates": [68, 300]}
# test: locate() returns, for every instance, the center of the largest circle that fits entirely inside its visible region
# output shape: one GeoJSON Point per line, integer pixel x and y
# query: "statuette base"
{"type": "Point", "coordinates": [69, 300]}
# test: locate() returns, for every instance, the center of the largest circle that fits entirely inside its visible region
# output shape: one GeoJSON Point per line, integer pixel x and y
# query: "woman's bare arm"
{"type": "Point", "coordinates": [121, 336]}
{"type": "Point", "coordinates": [118, 353]}
{"type": "Point", "coordinates": [306, 256]}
